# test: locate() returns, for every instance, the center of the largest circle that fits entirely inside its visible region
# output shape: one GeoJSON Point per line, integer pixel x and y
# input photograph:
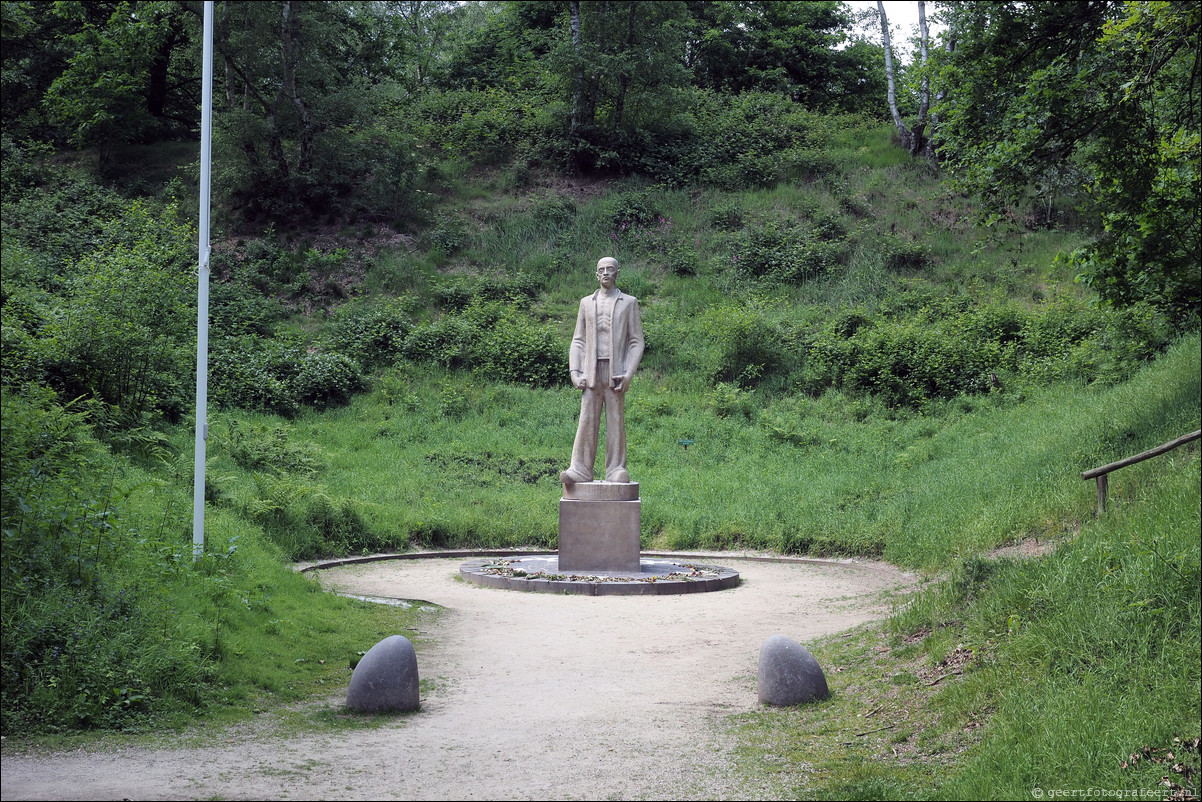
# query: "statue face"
{"type": "Point", "coordinates": [607, 273]}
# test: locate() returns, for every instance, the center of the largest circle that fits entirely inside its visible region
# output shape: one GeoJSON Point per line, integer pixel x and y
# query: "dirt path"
{"type": "Point", "coordinates": [532, 696]}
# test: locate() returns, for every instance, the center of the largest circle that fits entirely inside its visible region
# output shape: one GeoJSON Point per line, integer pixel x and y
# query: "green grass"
{"type": "Point", "coordinates": [433, 458]}
{"type": "Point", "coordinates": [1077, 659]}
{"type": "Point", "coordinates": [1015, 674]}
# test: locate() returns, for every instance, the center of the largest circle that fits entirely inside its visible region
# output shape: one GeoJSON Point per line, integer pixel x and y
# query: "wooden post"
{"type": "Point", "coordinates": [1101, 473]}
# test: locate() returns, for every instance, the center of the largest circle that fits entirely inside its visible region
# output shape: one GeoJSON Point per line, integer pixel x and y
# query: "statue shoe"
{"type": "Point", "coordinates": [570, 477]}
{"type": "Point", "coordinates": [621, 475]}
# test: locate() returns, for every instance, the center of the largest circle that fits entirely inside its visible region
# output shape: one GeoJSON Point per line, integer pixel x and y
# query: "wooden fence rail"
{"type": "Point", "coordinates": [1103, 472]}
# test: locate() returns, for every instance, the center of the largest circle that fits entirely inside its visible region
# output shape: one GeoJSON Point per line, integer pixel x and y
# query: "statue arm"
{"type": "Point", "coordinates": [577, 350]}
{"type": "Point", "coordinates": [634, 346]}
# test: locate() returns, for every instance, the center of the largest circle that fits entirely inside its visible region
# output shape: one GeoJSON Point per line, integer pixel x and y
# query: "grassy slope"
{"type": "Point", "coordinates": [932, 490]}
{"type": "Point", "coordinates": [433, 457]}
{"type": "Point", "coordinates": [1013, 674]}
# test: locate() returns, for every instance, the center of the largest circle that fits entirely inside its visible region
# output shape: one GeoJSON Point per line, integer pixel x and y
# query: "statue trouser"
{"type": "Point", "coordinates": [584, 451]}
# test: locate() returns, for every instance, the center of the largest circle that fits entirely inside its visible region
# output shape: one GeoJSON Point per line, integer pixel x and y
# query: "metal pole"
{"type": "Point", "coordinates": [202, 297]}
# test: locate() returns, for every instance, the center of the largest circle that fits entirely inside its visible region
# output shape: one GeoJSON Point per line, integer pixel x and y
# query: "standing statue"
{"type": "Point", "coordinates": [606, 350]}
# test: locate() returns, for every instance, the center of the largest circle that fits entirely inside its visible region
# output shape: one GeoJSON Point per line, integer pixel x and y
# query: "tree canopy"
{"type": "Point", "coordinates": [1099, 100]}
{"type": "Point", "coordinates": [326, 108]}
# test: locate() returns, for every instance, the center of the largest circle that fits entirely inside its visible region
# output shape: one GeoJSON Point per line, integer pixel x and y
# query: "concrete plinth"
{"type": "Point", "coordinates": [599, 526]}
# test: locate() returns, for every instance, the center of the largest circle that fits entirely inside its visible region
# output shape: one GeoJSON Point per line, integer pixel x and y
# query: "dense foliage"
{"type": "Point", "coordinates": [1046, 99]}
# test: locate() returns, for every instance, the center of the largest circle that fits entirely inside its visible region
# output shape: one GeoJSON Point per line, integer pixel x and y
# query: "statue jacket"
{"type": "Point", "coordinates": [625, 350]}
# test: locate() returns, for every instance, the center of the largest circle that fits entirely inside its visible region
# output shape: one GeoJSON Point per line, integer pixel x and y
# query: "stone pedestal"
{"type": "Point", "coordinates": [599, 524]}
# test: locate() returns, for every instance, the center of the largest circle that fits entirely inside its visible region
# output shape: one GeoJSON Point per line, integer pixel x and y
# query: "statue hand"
{"type": "Point", "coordinates": [620, 383]}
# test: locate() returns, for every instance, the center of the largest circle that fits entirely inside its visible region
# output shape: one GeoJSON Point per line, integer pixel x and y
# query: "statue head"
{"type": "Point", "coordinates": [607, 271]}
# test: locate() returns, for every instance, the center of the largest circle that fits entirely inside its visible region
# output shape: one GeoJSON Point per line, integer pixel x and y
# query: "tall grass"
{"type": "Point", "coordinates": [1103, 638]}
{"type": "Point", "coordinates": [450, 459]}
{"type": "Point", "coordinates": [1019, 676]}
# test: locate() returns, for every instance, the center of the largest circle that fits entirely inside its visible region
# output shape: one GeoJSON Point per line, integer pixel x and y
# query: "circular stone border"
{"type": "Point", "coordinates": [539, 573]}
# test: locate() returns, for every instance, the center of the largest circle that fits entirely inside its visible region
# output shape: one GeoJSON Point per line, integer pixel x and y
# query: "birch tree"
{"type": "Point", "coordinates": [914, 140]}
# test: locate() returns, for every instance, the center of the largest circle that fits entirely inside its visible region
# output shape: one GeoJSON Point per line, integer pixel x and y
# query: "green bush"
{"type": "Point", "coordinates": [236, 308]}
{"type": "Point", "coordinates": [81, 649]}
{"type": "Point", "coordinates": [280, 375]}
{"type": "Point", "coordinates": [324, 379]}
{"type": "Point", "coordinates": [787, 253]}
{"type": "Point", "coordinates": [949, 347]}
{"type": "Point", "coordinates": [372, 334]}
{"type": "Point", "coordinates": [448, 235]}
{"type": "Point", "coordinates": [269, 448]}
{"type": "Point", "coordinates": [93, 660]}
{"type": "Point", "coordinates": [521, 351]}
{"type": "Point", "coordinates": [499, 340]}
{"type": "Point", "coordinates": [907, 363]}
{"type": "Point", "coordinates": [901, 254]}
{"type": "Point", "coordinates": [126, 335]}
{"type": "Point", "coordinates": [737, 345]}
{"type": "Point", "coordinates": [447, 341]}
{"type": "Point", "coordinates": [634, 209]}
{"type": "Point", "coordinates": [245, 372]}
{"type": "Point", "coordinates": [305, 521]}
{"type": "Point", "coordinates": [726, 215]}
{"type": "Point", "coordinates": [482, 126]}
{"type": "Point", "coordinates": [62, 220]}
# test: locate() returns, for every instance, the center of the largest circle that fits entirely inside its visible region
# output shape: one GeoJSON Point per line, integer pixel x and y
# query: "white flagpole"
{"type": "Point", "coordinates": [202, 300]}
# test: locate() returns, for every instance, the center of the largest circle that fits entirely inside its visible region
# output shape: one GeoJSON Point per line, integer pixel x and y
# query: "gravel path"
{"type": "Point", "coordinates": [532, 696]}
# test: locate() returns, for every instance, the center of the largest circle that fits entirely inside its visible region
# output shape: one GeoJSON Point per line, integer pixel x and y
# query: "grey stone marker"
{"type": "Point", "coordinates": [386, 678]}
{"type": "Point", "coordinates": [789, 674]}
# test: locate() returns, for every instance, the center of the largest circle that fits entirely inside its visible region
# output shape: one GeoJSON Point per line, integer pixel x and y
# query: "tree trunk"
{"type": "Point", "coordinates": [290, 35]}
{"type": "Point", "coordinates": [902, 131]}
{"type": "Point", "coordinates": [578, 88]}
{"type": "Point", "coordinates": [913, 141]}
{"type": "Point", "coordinates": [225, 56]}
{"type": "Point", "coordinates": [920, 144]}
{"type": "Point", "coordinates": [624, 74]}
{"type": "Point", "coordinates": [160, 65]}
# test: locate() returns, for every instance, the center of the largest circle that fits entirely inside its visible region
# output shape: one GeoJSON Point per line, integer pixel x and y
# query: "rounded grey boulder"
{"type": "Point", "coordinates": [789, 674]}
{"type": "Point", "coordinates": [386, 678]}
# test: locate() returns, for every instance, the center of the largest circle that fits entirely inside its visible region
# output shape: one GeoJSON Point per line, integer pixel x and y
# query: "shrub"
{"type": "Point", "coordinates": [947, 347]}
{"type": "Point", "coordinates": [482, 126]}
{"type": "Point", "coordinates": [522, 351]}
{"type": "Point", "coordinates": [499, 340]}
{"type": "Point", "coordinates": [63, 220]}
{"type": "Point", "coordinates": [729, 400]}
{"type": "Point", "coordinates": [326, 379]}
{"type": "Point", "coordinates": [447, 341]}
{"type": "Point", "coordinates": [93, 660]}
{"type": "Point", "coordinates": [79, 649]}
{"type": "Point", "coordinates": [264, 448]}
{"type": "Point", "coordinates": [906, 363]}
{"type": "Point", "coordinates": [737, 345]}
{"type": "Point", "coordinates": [682, 259]}
{"type": "Point", "coordinates": [901, 254]}
{"type": "Point", "coordinates": [631, 210]}
{"type": "Point", "coordinates": [244, 372]}
{"type": "Point", "coordinates": [279, 376]}
{"type": "Point", "coordinates": [448, 235]}
{"type": "Point", "coordinates": [785, 252]}
{"type": "Point", "coordinates": [126, 333]}
{"type": "Point", "coordinates": [726, 215]}
{"type": "Point", "coordinates": [372, 335]}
